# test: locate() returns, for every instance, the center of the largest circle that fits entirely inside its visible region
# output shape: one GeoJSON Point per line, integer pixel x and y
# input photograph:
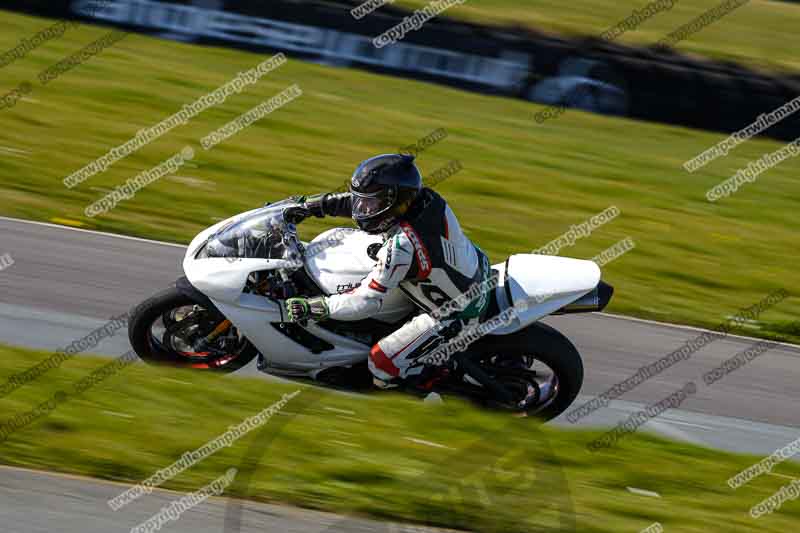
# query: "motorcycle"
{"type": "Point", "coordinates": [229, 309]}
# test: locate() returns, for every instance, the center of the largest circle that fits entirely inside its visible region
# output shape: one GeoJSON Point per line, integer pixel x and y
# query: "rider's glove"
{"type": "Point", "coordinates": [319, 205]}
{"type": "Point", "coordinates": [297, 213]}
{"type": "Point", "coordinates": [308, 206]}
{"type": "Point", "coordinates": [303, 309]}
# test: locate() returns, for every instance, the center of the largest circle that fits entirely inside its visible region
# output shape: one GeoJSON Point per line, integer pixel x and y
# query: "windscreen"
{"type": "Point", "coordinates": [259, 235]}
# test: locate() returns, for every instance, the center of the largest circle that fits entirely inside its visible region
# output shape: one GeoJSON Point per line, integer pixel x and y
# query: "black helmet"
{"type": "Point", "coordinates": [383, 187]}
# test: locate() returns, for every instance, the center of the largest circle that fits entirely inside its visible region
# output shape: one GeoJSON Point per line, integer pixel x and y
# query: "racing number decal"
{"type": "Point", "coordinates": [433, 293]}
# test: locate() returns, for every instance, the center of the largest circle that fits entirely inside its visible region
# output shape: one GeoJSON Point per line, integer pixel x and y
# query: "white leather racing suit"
{"type": "Point", "coordinates": [432, 261]}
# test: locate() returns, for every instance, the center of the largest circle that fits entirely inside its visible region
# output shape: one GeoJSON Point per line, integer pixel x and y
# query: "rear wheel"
{"type": "Point", "coordinates": [171, 328]}
{"type": "Point", "coordinates": [539, 366]}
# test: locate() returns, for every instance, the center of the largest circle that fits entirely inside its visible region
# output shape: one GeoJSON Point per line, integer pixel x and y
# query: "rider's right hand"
{"type": "Point", "coordinates": [318, 205]}
{"type": "Point", "coordinates": [296, 214]}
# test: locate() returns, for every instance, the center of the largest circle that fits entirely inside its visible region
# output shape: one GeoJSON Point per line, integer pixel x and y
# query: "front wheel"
{"type": "Point", "coordinates": [171, 328]}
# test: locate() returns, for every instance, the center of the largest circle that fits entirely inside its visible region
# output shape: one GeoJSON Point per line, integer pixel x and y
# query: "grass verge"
{"type": "Point", "coordinates": [384, 456]}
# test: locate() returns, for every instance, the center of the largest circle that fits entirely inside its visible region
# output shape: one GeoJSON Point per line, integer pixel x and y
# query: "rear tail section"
{"type": "Point", "coordinates": [541, 285]}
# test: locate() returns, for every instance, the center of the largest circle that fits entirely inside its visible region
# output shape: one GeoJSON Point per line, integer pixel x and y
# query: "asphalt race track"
{"type": "Point", "coordinates": [34, 502]}
{"type": "Point", "coordinates": [66, 282]}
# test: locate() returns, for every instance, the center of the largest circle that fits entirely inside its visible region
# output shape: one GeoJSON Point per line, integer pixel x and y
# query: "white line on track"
{"type": "Point", "coordinates": [340, 411]}
{"type": "Point", "coordinates": [672, 432]}
{"type": "Point", "coordinates": [681, 423]}
{"type": "Point", "coordinates": [14, 150]}
{"type": "Point", "coordinates": [428, 443]}
{"type": "Point", "coordinates": [121, 415]}
{"type": "Point", "coordinates": [642, 492]}
{"type": "Point", "coordinates": [91, 232]}
{"type": "Point", "coordinates": [782, 475]}
{"type": "Point", "coordinates": [694, 328]}
{"type": "Point", "coordinates": [343, 443]}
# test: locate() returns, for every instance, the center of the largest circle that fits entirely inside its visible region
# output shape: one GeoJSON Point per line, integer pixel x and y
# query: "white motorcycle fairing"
{"type": "Point", "coordinates": [547, 283]}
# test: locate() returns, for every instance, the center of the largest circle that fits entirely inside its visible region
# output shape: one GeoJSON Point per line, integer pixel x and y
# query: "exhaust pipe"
{"type": "Point", "coordinates": [595, 300]}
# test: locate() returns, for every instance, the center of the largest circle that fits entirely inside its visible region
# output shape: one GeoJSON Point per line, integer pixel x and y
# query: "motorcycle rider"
{"type": "Point", "coordinates": [424, 253]}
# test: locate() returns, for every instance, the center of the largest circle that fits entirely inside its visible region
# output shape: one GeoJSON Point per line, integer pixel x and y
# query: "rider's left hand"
{"type": "Point", "coordinates": [303, 309]}
{"type": "Point", "coordinates": [297, 309]}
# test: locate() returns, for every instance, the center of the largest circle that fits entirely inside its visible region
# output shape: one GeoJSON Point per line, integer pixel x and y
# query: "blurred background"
{"type": "Point", "coordinates": [528, 117]}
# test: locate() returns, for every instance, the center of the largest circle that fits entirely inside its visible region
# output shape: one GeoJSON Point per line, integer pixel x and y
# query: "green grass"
{"type": "Point", "coordinates": [523, 184]}
{"type": "Point", "coordinates": [756, 34]}
{"type": "Point", "coordinates": [352, 454]}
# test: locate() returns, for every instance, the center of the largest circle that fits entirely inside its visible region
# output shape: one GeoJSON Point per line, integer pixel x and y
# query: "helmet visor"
{"type": "Point", "coordinates": [369, 205]}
